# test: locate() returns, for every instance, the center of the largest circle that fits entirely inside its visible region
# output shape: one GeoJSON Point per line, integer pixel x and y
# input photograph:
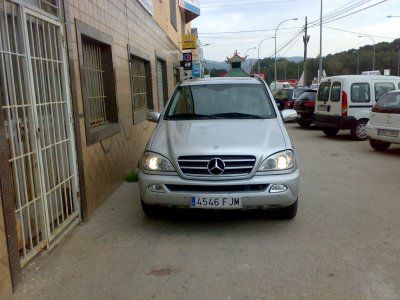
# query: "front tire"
{"type": "Point", "coordinates": [379, 145]}
{"type": "Point", "coordinates": [151, 211]}
{"type": "Point", "coordinates": [330, 131]}
{"type": "Point", "coordinates": [288, 213]}
{"type": "Point", "coordinates": [358, 132]}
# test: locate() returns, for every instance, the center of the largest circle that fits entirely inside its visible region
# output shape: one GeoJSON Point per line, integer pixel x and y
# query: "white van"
{"type": "Point", "coordinates": [345, 102]}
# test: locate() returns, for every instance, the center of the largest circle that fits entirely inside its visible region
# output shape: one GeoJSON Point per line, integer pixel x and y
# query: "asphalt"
{"type": "Point", "coordinates": [344, 242]}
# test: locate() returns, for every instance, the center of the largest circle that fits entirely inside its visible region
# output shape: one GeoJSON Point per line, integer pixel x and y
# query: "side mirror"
{"type": "Point", "coordinates": [153, 116]}
{"type": "Point", "coordinates": [289, 115]}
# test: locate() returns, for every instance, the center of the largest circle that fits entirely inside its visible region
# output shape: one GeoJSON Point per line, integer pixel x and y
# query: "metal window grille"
{"type": "Point", "coordinates": [138, 84]}
{"type": "Point", "coordinates": [176, 76]}
{"type": "Point", "coordinates": [51, 6]}
{"type": "Point", "coordinates": [94, 72]}
{"type": "Point", "coordinates": [33, 86]}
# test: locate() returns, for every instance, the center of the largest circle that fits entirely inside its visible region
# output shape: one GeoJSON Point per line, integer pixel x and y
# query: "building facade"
{"type": "Point", "coordinates": [77, 79]}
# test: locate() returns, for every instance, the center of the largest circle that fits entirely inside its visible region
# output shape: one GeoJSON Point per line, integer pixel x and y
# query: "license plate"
{"type": "Point", "coordinates": [322, 107]}
{"type": "Point", "coordinates": [388, 132]}
{"type": "Point", "coordinates": [214, 202]}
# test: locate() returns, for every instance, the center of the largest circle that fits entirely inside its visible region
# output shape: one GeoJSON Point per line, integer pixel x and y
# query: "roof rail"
{"type": "Point", "coordinates": [256, 76]}
{"type": "Point", "coordinates": [188, 78]}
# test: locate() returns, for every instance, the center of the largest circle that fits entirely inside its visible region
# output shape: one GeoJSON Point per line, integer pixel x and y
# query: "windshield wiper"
{"type": "Point", "coordinates": [236, 115]}
{"type": "Point", "coordinates": [189, 116]}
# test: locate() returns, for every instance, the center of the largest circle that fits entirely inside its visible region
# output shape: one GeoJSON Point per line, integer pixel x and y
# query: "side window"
{"type": "Point", "coordinates": [360, 92]}
{"type": "Point", "coordinates": [335, 91]}
{"type": "Point", "coordinates": [323, 91]}
{"type": "Point", "coordinates": [381, 88]}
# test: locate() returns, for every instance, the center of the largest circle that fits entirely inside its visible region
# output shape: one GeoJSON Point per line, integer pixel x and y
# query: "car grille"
{"type": "Point", "coordinates": [218, 188]}
{"type": "Point", "coordinates": [235, 165]}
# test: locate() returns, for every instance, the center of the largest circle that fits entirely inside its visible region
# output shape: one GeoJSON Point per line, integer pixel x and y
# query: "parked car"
{"type": "Point", "coordinates": [345, 102]}
{"type": "Point", "coordinates": [282, 96]}
{"type": "Point", "coordinates": [279, 85]}
{"type": "Point", "coordinates": [220, 144]}
{"type": "Point", "coordinates": [304, 106]}
{"type": "Point", "coordinates": [289, 103]}
{"type": "Point", "coordinates": [384, 125]}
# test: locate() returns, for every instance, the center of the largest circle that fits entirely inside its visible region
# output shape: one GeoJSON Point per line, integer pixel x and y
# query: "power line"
{"type": "Point", "coordinates": [340, 10]}
{"type": "Point", "coordinates": [247, 31]}
{"type": "Point", "coordinates": [352, 13]}
{"type": "Point", "coordinates": [250, 3]}
{"type": "Point", "coordinates": [359, 33]}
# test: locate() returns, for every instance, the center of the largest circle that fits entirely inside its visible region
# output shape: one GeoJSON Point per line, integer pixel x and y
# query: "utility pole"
{"type": "Point", "coordinates": [320, 46]}
{"type": "Point", "coordinates": [398, 63]}
{"type": "Point", "coordinates": [298, 71]}
{"type": "Point", "coordinates": [306, 38]}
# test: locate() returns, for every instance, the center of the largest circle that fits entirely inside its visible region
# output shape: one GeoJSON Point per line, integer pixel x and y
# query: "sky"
{"type": "Point", "coordinates": [258, 17]}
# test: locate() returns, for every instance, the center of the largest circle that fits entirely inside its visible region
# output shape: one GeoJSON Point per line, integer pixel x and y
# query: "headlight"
{"type": "Point", "coordinates": [155, 162]}
{"type": "Point", "coordinates": [279, 161]}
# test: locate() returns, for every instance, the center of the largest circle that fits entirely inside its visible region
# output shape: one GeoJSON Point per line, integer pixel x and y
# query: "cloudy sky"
{"type": "Point", "coordinates": [258, 17]}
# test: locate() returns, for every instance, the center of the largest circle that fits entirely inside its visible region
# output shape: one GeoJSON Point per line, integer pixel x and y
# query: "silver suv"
{"type": "Point", "coordinates": [220, 144]}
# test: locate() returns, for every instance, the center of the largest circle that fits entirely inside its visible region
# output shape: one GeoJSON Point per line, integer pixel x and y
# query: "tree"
{"type": "Point", "coordinates": [343, 63]}
{"type": "Point", "coordinates": [217, 72]}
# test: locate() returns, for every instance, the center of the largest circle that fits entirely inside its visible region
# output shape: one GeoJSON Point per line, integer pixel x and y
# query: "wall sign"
{"type": "Point", "coordinates": [196, 70]}
{"type": "Point", "coordinates": [189, 41]}
{"type": "Point", "coordinates": [187, 61]}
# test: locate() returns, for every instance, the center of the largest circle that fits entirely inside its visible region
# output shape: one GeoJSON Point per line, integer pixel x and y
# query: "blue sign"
{"type": "Point", "coordinates": [196, 70]}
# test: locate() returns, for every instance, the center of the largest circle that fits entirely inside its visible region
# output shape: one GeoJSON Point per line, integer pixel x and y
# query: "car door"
{"type": "Point", "coordinates": [322, 98]}
{"type": "Point", "coordinates": [329, 98]}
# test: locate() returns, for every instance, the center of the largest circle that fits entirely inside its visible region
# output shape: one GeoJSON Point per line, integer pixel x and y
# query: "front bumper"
{"type": "Point", "coordinates": [250, 199]}
{"type": "Point", "coordinates": [372, 132]}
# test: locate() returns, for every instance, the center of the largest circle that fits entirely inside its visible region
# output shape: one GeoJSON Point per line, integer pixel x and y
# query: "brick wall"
{"type": "Point", "coordinates": [106, 163]}
{"type": "Point", "coordinates": [5, 278]}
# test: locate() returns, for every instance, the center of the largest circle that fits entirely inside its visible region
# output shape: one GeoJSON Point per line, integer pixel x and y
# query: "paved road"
{"type": "Point", "coordinates": [344, 243]}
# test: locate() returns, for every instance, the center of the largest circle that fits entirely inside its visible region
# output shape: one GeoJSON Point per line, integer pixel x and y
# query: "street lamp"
{"type": "Point", "coordinates": [372, 39]}
{"type": "Point", "coordinates": [259, 45]}
{"type": "Point", "coordinates": [276, 30]}
{"type": "Point", "coordinates": [252, 48]}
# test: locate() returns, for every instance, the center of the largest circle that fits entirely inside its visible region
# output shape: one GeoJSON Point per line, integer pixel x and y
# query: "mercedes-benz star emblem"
{"type": "Point", "coordinates": [216, 166]}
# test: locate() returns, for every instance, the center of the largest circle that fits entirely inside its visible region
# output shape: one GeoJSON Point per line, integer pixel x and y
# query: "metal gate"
{"type": "Point", "coordinates": [36, 105]}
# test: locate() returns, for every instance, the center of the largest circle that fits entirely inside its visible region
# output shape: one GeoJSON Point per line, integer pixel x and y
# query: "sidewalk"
{"type": "Point", "coordinates": [97, 260]}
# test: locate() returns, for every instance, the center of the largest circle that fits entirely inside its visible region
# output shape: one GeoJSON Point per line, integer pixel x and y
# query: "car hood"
{"type": "Point", "coordinates": [258, 137]}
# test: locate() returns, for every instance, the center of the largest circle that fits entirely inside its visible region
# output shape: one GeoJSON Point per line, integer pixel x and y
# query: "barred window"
{"type": "Point", "coordinates": [177, 76]}
{"type": "Point", "coordinates": [138, 81]}
{"type": "Point", "coordinates": [142, 99]}
{"type": "Point", "coordinates": [96, 96]}
{"type": "Point", "coordinates": [98, 83]}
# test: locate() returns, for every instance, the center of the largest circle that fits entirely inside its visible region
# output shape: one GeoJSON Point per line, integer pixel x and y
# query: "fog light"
{"type": "Point", "coordinates": [156, 188]}
{"type": "Point", "coordinates": [278, 188]}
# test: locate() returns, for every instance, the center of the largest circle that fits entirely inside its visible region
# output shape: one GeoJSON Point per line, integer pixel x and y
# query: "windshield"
{"type": "Point", "coordinates": [297, 93]}
{"type": "Point", "coordinates": [389, 103]}
{"type": "Point", "coordinates": [308, 96]}
{"type": "Point", "coordinates": [220, 101]}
